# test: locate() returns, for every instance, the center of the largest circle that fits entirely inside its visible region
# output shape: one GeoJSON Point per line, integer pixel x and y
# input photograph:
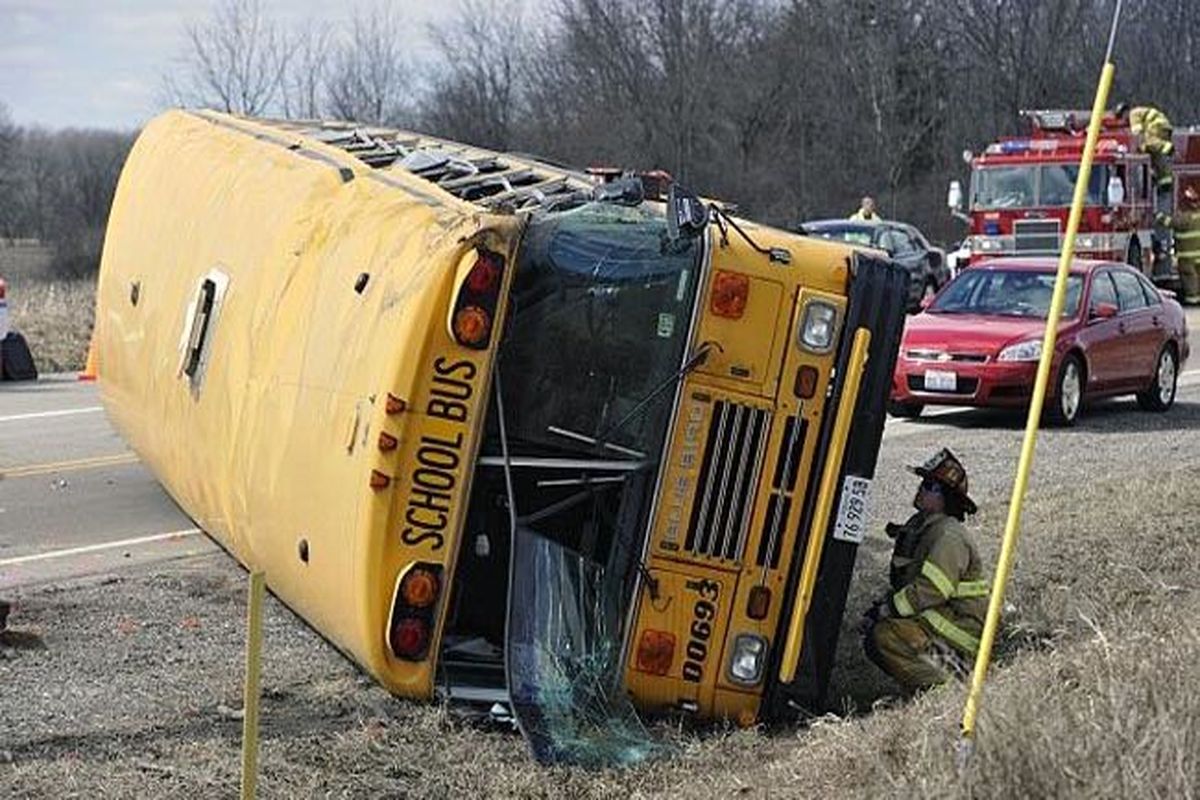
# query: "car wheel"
{"type": "Point", "coordinates": [1160, 394]}
{"type": "Point", "coordinates": [1068, 392]}
{"type": "Point", "coordinates": [1134, 256]}
{"type": "Point", "coordinates": [905, 410]}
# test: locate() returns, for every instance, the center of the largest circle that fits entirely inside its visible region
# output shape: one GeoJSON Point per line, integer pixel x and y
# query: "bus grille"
{"type": "Point", "coordinates": [779, 506]}
{"type": "Point", "coordinates": [733, 455]}
{"type": "Point", "coordinates": [1036, 235]}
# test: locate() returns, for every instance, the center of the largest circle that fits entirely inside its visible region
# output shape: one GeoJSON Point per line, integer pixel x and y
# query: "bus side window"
{"type": "Point", "coordinates": [201, 319]}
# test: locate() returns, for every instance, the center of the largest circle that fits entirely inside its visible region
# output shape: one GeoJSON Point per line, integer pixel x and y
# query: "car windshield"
{"type": "Point", "coordinates": [1048, 185]}
{"type": "Point", "coordinates": [1006, 293]}
{"type": "Point", "coordinates": [856, 236]}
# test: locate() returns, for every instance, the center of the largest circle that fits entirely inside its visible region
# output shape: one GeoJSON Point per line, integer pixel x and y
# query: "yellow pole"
{"type": "Point", "coordinates": [1012, 527]}
{"type": "Point", "coordinates": [251, 689]}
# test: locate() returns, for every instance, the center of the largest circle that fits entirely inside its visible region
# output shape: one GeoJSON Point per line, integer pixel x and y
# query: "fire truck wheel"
{"type": "Point", "coordinates": [1134, 256]}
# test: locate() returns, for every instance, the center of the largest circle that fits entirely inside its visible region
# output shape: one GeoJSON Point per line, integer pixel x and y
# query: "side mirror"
{"type": "Point", "coordinates": [1116, 191]}
{"type": "Point", "coordinates": [926, 302]}
{"type": "Point", "coordinates": [1103, 311]}
{"type": "Point", "coordinates": [687, 216]}
{"type": "Point", "coordinates": [954, 197]}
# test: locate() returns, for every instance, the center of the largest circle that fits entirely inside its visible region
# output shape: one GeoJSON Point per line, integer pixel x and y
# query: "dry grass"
{"type": "Point", "coordinates": [56, 319]}
{"type": "Point", "coordinates": [1105, 705]}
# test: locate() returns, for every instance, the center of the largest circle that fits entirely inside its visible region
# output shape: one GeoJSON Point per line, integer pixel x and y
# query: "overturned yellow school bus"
{"type": "Point", "coordinates": [498, 431]}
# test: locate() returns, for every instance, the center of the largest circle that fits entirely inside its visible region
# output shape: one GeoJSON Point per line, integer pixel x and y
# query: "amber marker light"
{"type": "Point", "coordinates": [419, 588]}
{"type": "Point", "coordinates": [730, 293]}
{"type": "Point", "coordinates": [656, 651]}
{"type": "Point", "coordinates": [806, 382]}
{"type": "Point", "coordinates": [759, 603]}
{"type": "Point", "coordinates": [472, 326]}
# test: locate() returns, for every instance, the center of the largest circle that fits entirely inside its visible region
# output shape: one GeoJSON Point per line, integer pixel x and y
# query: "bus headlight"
{"type": "Point", "coordinates": [749, 659]}
{"type": "Point", "coordinates": [817, 329]}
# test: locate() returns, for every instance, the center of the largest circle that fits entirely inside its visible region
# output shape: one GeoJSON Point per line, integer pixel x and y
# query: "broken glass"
{"type": "Point", "coordinates": [564, 660]}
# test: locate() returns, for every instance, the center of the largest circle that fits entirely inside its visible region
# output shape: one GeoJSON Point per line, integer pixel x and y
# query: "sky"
{"type": "Point", "coordinates": [97, 64]}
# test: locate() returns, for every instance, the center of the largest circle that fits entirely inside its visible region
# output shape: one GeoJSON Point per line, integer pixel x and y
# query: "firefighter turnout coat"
{"type": "Point", "coordinates": [937, 579]}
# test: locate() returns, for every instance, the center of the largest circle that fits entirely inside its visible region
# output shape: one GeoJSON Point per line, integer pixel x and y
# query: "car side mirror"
{"type": "Point", "coordinates": [1103, 311]}
{"type": "Point", "coordinates": [926, 302]}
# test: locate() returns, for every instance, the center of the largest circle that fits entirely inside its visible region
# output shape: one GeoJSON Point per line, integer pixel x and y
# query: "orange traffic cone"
{"type": "Point", "coordinates": [89, 369]}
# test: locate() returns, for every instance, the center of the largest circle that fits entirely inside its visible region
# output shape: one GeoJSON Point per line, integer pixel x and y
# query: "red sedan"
{"type": "Point", "coordinates": [979, 341]}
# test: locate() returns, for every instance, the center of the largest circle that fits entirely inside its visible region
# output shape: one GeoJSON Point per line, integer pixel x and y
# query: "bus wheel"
{"type": "Point", "coordinates": [1134, 256]}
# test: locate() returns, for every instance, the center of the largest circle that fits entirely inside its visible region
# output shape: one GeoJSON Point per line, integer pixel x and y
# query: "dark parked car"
{"type": "Point", "coordinates": [979, 342]}
{"type": "Point", "coordinates": [925, 263]}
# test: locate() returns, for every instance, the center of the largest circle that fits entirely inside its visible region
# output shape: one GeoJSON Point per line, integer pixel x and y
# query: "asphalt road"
{"type": "Point", "coordinates": [74, 501]}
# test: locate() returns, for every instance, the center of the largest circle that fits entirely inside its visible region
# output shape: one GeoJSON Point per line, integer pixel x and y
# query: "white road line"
{"type": "Point", "coordinates": [66, 412]}
{"type": "Point", "coordinates": [92, 548]}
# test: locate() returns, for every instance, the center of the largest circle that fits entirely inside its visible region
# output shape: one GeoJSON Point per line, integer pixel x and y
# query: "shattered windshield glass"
{"type": "Point", "coordinates": [564, 658]}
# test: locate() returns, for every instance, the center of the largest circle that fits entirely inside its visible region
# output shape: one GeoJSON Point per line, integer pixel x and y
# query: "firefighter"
{"type": "Point", "coordinates": [1153, 129]}
{"type": "Point", "coordinates": [928, 628]}
{"type": "Point", "coordinates": [866, 211]}
{"type": "Point", "coordinates": [1187, 243]}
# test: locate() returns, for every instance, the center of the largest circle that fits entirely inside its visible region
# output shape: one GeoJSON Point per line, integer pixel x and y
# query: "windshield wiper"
{"type": "Point", "coordinates": [699, 358]}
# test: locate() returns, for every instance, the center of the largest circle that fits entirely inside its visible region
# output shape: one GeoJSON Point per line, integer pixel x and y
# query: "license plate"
{"type": "Point", "coordinates": [939, 381]}
{"type": "Point", "coordinates": [854, 510]}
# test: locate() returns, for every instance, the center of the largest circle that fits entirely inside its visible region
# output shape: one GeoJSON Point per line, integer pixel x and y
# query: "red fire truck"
{"type": "Point", "coordinates": [1021, 190]}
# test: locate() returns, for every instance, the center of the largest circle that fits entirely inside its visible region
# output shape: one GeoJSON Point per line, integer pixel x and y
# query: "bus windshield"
{"type": "Point", "coordinates": [1045, 185]}
{"type": "Point", "coordinates": [600, 310]}
{"type": "Point", "coordinates": [596, 337]}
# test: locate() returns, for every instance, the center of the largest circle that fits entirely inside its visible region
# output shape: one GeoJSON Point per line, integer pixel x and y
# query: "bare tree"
{"type": "Point", "coordinates": [302, 84]}
{"type": "Point", "coordinates": [8, 144]}
{"type": "Point", "coordinates": [476, 94]}
{"type": "Point", "coordinates": [234, 61]}
{"type": "Point", "coordinates": [371, 79]}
